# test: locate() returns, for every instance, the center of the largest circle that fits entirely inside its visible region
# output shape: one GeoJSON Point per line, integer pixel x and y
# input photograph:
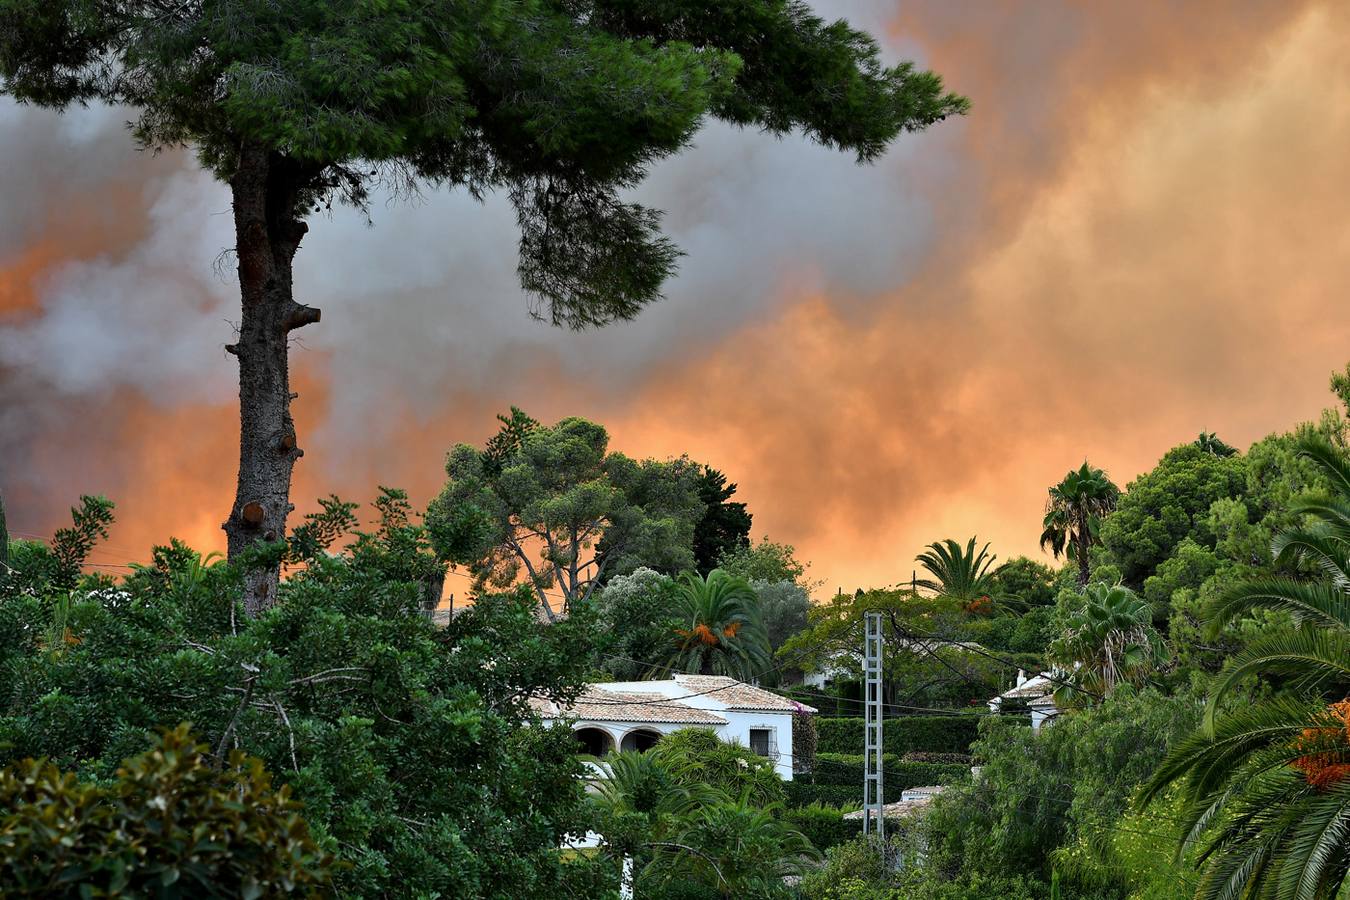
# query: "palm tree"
{"type": "Point", "coordinates": [678, 828]}
{"type": "Point", "coordinates": [641, 804]}
{"type": "Point", "coordinates": [1110, 641]}
{"type": "Point", "coordinates": [1267, 783]}
{"type": "Point", "coordinates": [723, 633]}
{"type": "Point", "coordinates": [632, 783]}
{"type": "Point", "coordinates": [735, 847]}
{"type": "Point", "coordinates": [959, 573]}
{"type": "Point", "coordinates": [1209, 442]}
{"type": "Point", "coordinates": [1073, 512]}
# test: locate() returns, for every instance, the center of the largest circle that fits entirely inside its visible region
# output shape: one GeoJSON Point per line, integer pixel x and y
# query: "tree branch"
{"type": "Point", "coordinates": [238, 710]}
{"type": "Point", "coordinates": [290, 733]}
{"type": "Point", "coordinates": [300, 315]}
{"type": "Point", "coordinates": [688, 849]}
{"type": "Point", "coordinates": [534, 576]}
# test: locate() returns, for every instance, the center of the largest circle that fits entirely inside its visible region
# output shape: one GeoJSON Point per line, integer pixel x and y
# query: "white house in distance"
{"type": "Point", "coordinates": [633, 715]}
{"type": "Point", "coordinates": [1037, 693]}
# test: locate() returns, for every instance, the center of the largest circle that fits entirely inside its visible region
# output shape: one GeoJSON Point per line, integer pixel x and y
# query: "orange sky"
{"type": "Point", "coordinates": [1138, 233]}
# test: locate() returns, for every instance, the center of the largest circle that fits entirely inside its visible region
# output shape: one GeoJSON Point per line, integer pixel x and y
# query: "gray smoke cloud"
{"type": "Point", "coordinates": [1133, 236]}
{"type": "Point", "coordinates": [421, 301]}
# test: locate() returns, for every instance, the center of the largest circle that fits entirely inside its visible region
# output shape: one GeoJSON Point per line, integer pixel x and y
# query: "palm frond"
{"type": "Point", "coordinates": [1211, 756]}
{"type": "Point", "coordinates": [1322, 547]}
{"type": "Point", "coordinates": [1315, 657]}
{"type": "Point", "coordinates": [1329, 459]}
{"type": "Point", "coordinates": [1309, 602]}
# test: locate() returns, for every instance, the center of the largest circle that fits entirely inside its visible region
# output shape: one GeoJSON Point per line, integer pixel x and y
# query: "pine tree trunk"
{"type": "Point", "coordinates": [4, 537]}
{"type": "Point", "coordinates": [265, 192]}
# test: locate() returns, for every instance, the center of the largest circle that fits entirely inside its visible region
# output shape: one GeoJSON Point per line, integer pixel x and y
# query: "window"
{"type": "Point", "coordinates": [762, 742]}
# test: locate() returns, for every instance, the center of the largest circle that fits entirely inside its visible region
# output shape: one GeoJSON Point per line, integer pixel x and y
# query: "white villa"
{"type": "Point", "coordinates": [1038, 693]}
{"type": "Point", "coordinates": [633, 715]}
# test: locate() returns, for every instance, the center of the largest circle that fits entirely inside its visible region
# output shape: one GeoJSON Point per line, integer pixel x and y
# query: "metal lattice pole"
{"type": "Point", "coordinates": [873, 782]}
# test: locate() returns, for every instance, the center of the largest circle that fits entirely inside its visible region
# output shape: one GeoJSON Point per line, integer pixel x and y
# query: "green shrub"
{"type": "Point", "coordinates": [838, 778]}
{"type": "Point", "coordinates": [805, 737]}
{"type": "Point", "coordinates": [802, 792]}
{"type": "Point", "coordinates": [930, 734]}
{"type": "Point", "coordinates": [854, 870]}
{"type": "Point", "coordinates": [170, 826]}
{"type": "Point", "coordinates": [697, 756]}
{"type": "Point", "coordinates": [824, 824]}
{"type": "Point", "coordinates": [1039, 792]}
{"type": "Point", "coordinates": [954, 759]}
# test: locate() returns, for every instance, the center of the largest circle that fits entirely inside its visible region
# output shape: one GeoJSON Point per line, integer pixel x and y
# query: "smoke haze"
{"type": "Point", "coordinates": [1136, 234]}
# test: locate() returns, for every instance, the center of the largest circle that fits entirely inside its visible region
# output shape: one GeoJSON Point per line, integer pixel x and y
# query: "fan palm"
{"type": "Point", "coordinates": [1110, 641]}
{"type": "Point", "coordinates": [1073, 513]}
{"type": "Point", "coordinates": [636, 783]}
{"type": "Point", "coordinates": [959, 573]}
{"type": "Point", "coordinates": [735, 847]}
{"type": "Point", "coordinates": [721, 631]}
{"type": "Point", "coordinates": [1267, 784]}
{"type": "Point", "coordinates": [641, 803]}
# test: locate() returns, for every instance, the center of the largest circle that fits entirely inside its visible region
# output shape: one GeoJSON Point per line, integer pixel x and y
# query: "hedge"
{"type": "Point", "coordinates": [963, 759]}
{"type": "Point", "coordinates": [838, 778]}
{"type": "Point", "coordinates": [930, 734]}
{"type": "Point", "coordinates": [824, 825]}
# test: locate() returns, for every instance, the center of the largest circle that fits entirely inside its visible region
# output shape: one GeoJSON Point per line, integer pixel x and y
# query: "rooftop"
{"type": "Point", "coordinates": [599, 705]}
{"type": "Point", "coordinates": [738, 695]}
{"type": "Point", "coordinates": [684, 699]}
{"type": "Point", "coordinates": [915, 800]}
{"type": "Point", "coordinates": [1029, 688]}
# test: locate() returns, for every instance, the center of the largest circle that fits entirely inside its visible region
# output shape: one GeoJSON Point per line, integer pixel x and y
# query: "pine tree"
{"type": "Point", "coordinates": [560, 104]}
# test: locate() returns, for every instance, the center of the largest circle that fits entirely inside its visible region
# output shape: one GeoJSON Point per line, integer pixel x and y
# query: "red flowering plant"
{"type": "Point", "coordinates": [1327, 760]}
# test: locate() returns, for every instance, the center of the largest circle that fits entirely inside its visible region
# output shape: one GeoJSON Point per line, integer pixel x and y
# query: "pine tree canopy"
{"type": "Point", "coordinates": [562, 104]}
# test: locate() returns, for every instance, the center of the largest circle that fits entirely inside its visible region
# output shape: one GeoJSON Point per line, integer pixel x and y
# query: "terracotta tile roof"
{"type": "Point", "coordinates": [599, 705]}
{"type": "Point", "coordinates": [918, 800]}
{"type": "Point", "coordinates": [738, 695]}
{"type": "Point", "coordinates": [1032, 688]}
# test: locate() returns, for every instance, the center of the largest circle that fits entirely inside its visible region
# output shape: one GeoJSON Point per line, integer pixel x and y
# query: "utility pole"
{"type": "Point", "coordinates": [874, 795]}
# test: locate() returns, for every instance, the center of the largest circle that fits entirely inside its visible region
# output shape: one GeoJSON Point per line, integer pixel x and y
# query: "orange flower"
{"type": "Point", "coordinates": [980, 606]}
{"type": "Point", "coordinates": [705, 634]}
{"type": "Point", "coordinates": [1324, 768]}
{"type": "Point", "coordinates": [730, 630]}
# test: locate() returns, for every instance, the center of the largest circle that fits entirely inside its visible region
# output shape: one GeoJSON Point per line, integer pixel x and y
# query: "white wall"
{"type": "Point", "coordinates": [739, 722]}
{"type": "Point", "coordinates": [736, 730]}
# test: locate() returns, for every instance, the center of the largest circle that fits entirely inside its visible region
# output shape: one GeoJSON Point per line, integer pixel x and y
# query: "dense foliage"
{"type": "Point", "coordinates": [1270, 779]}
{"type": "Point", "coordinates": [1039, 791]}
{"type": "Point", "coordinates": [171, 824]}
{"type": "Point", "coordinates": [411, 747]}
{"type": "Point", "coordinates": [556, 505]}
{"type": "Point", "coordinates": [698, 817]}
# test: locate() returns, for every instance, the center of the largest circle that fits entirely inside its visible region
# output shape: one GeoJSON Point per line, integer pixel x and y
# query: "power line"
{"type": "Point", "coordinates": [934, 711]}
